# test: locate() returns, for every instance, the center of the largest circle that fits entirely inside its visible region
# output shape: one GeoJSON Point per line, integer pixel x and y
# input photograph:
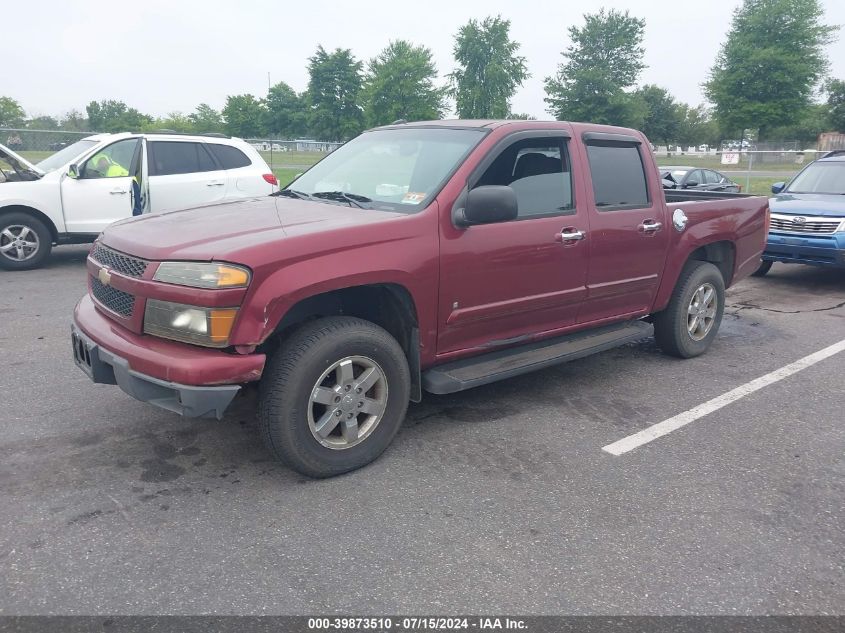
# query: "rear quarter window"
{"type": "Point", "coordinates": [618, 176]}
{"type": "Point", "coordinates": [229, 157]}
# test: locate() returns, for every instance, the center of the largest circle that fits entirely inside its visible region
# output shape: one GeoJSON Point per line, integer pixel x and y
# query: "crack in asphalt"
{"type": "Point", "coordinates": [750, 306]}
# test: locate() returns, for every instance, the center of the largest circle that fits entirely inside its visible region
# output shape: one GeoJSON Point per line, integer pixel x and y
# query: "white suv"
{"type": "Point", "coordinates": [74, 194]}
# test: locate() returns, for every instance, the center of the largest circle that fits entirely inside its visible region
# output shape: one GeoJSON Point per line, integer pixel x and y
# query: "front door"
{"type": "Point", "coordinates": [505, 283]}
{"type": "Point", "coordinates": [102, 192]}
{"type": "Point", "coordinates": [629, 235]}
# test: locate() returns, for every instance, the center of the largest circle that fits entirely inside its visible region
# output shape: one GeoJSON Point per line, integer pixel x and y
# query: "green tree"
{"type": "Point", "coordinates": [697, 126]}
{"type": "Point", "coordinates": [74, 121]}
{"type": "Point", "coordinates": [604, 58]}
{"type": "Point", "coordinates": [175, 121]}
{"type": "Point", "coordinates": [114, 116]}
{"type": "Point", "coordinates": [334, 90]}
{"type": "Point", "coordinates": [286, 112]}
{"type": "Point", "coordinates": [206, 119]}
{"type": "Point", "coordinates": [768, 67]}
{"type": "Point", "coordinates": [663, 116]}
{"type": "Point", "coordinates": [814, 120]}
{"type": "Point", "coordinates": [400, 85]}
{"type": "Point", "coordinates": [11, 113]}
{"type": "Point", "coordinates": [43, 123]}
{"type": "Point", "coordinates": [489, 70]}
{"type": "Point", "coordinates": [836, 104]}
{"type": "Point", "coordinates": [244, 115]}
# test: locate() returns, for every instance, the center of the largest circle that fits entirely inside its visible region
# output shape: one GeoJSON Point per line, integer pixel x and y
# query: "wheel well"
{"type": "Point", "coordinates": [721, 255]}
{"type": "Point", "coordinates": [387, 305]}
{"type": "Point", "coordinates": [20, 208]}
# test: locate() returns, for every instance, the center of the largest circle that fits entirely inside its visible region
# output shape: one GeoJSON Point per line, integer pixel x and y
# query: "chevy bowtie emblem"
{"type": "Point", "coordinates": [799, 220]}
{"type": "Point", "coordinates": [104, 276]}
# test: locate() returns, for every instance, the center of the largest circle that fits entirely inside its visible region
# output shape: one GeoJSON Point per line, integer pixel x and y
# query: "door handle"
{"type": "Point", "coordinates": [650, 226]}
{"type": "Point", "coordinates": [214, 184]}
{"type": "Point", "coordinates": [570, 234]}
{"type": "Point", "coordinates": [118, 192]}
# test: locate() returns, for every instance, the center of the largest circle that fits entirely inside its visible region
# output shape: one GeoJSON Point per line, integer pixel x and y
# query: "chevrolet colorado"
{"type": "Point", "coordinates": [433, 256]}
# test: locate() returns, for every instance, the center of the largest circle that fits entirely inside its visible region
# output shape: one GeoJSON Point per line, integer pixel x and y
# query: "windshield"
{"type": "Point", "coordinates": [65, 156]}
{"type": "Point", "coordinates": [821, 177]}
{"type": "Point", "coordinates": [397, 170]}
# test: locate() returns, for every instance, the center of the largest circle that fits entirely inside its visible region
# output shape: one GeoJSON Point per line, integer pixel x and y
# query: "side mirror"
{"type": "Point", "coordinates": [689, 184]}
{"type": "Point", "coordinates": [487, 204]}
{"type": "Point", "coordinates": [778, 187]}
{"type": "Point", "coordinates": [73, 171]}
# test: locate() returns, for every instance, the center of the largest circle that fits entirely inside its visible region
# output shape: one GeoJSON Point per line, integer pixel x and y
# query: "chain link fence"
{"type": "Point", "coordinates": [286, 156]}
{"type": "Point", "coordinates": [755, 166]}
{"type": "Point", "coordinates": [47, 141]}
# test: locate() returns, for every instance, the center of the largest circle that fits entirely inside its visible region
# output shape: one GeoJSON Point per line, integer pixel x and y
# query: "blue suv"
{"type": "Point", "coordinates": [808, 216]}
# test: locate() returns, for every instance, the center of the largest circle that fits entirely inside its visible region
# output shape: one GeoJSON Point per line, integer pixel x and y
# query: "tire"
{"type": "Point", "coordinates": [762, 270]}
{"type": "Point", "coordinates": [307, 368]}
{"type": "Point", "coordinates": [19, 225]}
{"type": "Point", "coordinates": [672, 326]}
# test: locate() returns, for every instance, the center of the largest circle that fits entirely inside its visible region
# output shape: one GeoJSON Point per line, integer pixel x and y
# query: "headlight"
{"type": "Point", "coordinates": [190, 324]}
{"type": "Point", "coordinates": [202, 275]}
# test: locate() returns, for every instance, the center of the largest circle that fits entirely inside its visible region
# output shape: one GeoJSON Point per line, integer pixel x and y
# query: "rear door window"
{"type": "Point", "coordinates": [618, 175]}
{"type": "Point", "coordinates": [711, 177]}
{"type": "Point", "coordinates": [229, 157]}
{"type": "Point", "coordinates": [179, 157]}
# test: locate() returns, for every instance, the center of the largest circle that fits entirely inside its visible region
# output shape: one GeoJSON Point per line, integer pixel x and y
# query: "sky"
{"type": "Point", "coordinates": [162, 56]}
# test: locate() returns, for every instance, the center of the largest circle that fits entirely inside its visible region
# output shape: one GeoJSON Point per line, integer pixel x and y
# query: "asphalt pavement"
{"type": "Point", "coordinates": [495, 500]}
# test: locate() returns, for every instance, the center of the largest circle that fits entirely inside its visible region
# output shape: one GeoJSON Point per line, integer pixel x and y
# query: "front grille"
{"type": "Point", "coordinates": [125, 264]}
{"type": "Point", "coordinates": [115, 300]}
{"type": "Point", "coordinates": [810, 225]}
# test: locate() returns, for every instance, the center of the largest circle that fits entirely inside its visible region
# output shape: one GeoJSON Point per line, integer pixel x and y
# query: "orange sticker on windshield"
{"type": "Point", "coordinates": [413, 198]}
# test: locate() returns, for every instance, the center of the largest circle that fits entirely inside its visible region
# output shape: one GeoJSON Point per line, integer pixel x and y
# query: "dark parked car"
{"type": "Point", "coordinates": [698, 179]}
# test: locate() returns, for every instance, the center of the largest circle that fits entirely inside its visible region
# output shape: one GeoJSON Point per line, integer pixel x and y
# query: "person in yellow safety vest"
{"type": "Point", "coordinates": [107, 167]}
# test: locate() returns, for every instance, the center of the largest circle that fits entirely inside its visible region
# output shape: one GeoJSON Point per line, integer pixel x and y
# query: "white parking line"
{"type": "Point", "coordinates": [682, 419]}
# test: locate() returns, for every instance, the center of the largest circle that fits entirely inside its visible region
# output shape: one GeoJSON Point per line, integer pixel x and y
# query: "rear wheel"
{"type": "Point", "coordinates": [25, 242]}
{"type": "Point", "coordinates": [762, 270]}
{"type": "Point", "coordinates": [334, 396]}
{"type": "Point", "coordinates": [688, 325]}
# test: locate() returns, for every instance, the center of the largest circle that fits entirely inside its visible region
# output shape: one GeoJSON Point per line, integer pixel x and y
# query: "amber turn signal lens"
{"type": "Point", "coordinates": [229, 276]}
{"type": "Point", "coordinates": [221, 322]}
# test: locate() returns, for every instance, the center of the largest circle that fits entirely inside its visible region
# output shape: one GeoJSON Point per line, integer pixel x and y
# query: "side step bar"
{"type": "Point", "coordinates": [481, 370]}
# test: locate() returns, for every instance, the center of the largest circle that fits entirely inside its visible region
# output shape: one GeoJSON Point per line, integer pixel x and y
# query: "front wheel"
{"type": "Point", "coordinates": [763, 269]}
{"type": "Point", "coordinates": [24, 241]}
{"type": "Point", "coordinates": [333, 396]}
{"type": "Point", "coordinates": [688, 325]}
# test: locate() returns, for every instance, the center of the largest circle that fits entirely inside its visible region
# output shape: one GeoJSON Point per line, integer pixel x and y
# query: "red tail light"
{"type": "Point", "coordinates": [271, 179]}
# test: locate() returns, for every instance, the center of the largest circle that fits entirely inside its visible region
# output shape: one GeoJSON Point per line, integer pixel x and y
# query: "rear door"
{"type": "Point", "coordinates": [183, 174]}
{"type": "Point", "coordinates": [629, 234]}
{"type": "Point", "coordinates": [245, 169]}
{"type": "Point", "coordinates": [503, 283]}
{"type": "Point", "coordinates": [102, 193]}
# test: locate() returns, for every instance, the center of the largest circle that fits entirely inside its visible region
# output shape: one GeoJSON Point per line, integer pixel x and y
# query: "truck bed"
{"type": "Point", "coordinates": [687, 195]}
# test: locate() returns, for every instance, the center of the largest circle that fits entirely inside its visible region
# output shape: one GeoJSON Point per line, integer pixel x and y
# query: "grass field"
{"type": "Point", "coordinates": [286, 165]}
{"type": "Point", "coordinates": [786, 164]}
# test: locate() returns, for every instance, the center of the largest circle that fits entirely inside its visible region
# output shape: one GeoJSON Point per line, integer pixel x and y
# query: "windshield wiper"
{"type": "Point", "coordinates": [352, 198]}
{"type": "Point", "coordinates": [291, 193]}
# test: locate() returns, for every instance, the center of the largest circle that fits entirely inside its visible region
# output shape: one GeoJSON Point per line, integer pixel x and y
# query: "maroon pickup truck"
{"type": "Point", "coordinates": [433, 256]}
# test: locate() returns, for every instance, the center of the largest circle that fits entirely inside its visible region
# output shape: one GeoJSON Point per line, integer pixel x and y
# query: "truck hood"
{"type": "Point", "coordinates": [808, 204]}
{"type": "Point", "coordinates": [230, 231]}
{"type": "Point", "coordinates": [18, 161]}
